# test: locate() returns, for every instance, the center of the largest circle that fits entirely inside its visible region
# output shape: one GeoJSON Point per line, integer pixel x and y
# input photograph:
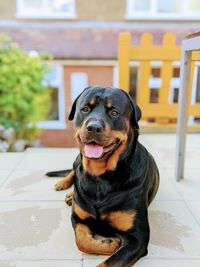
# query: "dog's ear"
{"type": "Point", "coordinates": [137, 111]}
{"type": "Point", "coordinates": [73, 109]}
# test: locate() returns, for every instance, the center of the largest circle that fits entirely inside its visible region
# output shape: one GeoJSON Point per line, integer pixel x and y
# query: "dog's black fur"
{"type": "Point", "coordinates": [111, 193]}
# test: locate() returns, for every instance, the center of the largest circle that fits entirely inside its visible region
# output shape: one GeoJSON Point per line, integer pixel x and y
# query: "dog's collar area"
{"type": "Point", "coordinates": [93, 150]}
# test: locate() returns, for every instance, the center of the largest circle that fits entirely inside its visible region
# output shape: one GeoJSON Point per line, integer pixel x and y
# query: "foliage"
{"type": "Point", "coordinates": [24, 95]}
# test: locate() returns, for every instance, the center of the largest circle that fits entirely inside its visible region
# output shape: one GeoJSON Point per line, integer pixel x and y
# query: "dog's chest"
{"type": "Point", "coordinates": [95, 195]}
{"type": "Point", "coordinates": [101, 203]}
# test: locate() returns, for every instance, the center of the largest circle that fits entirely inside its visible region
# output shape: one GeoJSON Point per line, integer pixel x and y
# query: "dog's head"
{"type": "Point", "coordinates": [104, 117]}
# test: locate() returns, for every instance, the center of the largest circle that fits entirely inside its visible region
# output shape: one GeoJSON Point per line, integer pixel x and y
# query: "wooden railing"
{"type": "Point", "coordinates": [145, 54]}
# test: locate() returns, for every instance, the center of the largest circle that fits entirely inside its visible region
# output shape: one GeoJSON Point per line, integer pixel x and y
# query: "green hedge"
{"type": "Point", "coordinates": [24, 95]}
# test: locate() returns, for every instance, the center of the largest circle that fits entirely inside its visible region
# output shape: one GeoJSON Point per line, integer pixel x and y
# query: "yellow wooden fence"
{"type": "Point", "coordinates": [145, 53]}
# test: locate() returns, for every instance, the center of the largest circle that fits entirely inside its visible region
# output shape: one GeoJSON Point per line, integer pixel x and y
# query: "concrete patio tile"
{"type": "Point", "coordinates": [36, 230]}
{"type": "Point", "coordinates": [168, 140]}
{"type": "Point", "coordinates": [8, 161]}
{"type": "Point", "coordinates": [188, 188]}
{"type": "Point", "coordinates": [48, 161]}
{"type": "Point", "coordinates": [167, 189]}
{"type": "Point", "coordinates": [192, 157]}
{"type": "Point", "coordinates": [54, 263]}
{"type": "Point", "coordinates": [4, 176]}
{"type": "Point", "coordinates": [165, 157]}
{"type": "Point", "coordinates": [154, 141]}
{"type": "Point", "coordinates": [149, 263]}
{"type": "Point", "coordinates": [167, 263]}
{"type": "Point", "coordinates": [163, 148]}
{"type": "Point", "coordinates": [194, 206]}
{"type": "Point", "coordinates": [93, 261]}
{"type": "Point", "coordinates": [193, 141]}
{"type": "Point", "coordinates": [174, 232]}
{"type": "Point", "coordinates": [31, 185]}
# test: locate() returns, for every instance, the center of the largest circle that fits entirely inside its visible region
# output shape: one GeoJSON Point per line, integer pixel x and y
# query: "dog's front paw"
{"type": "Point", "coordinates": [69, 198]}
{"type": "Point", "coordinates": [61, 185]}
{"type": "Point", "coordinates": [114, 244]}
{"type": "Point", "coordinates": [58, 186]}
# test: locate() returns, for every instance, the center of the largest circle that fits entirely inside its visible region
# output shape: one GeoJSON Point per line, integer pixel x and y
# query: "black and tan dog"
{"type": "Point", "coordinates": [114, 176]}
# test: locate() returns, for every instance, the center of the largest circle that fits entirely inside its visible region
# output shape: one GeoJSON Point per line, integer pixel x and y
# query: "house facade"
{"type": "Point", "coordinates": [82, 36]}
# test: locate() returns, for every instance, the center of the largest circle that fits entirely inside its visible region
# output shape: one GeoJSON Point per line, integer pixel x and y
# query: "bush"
{"type": "Point", "coordinates": [24, 95]}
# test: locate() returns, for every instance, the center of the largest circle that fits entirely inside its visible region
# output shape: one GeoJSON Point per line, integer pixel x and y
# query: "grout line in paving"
{"type": "Point", "coordinates": [12, 170]}
{"type": "Point", "coordinates": [5, 179]}
{"type": "Point", "coordinates": [41, 260]}
{"type": "Point", "coordinates": [32, 200]}
{"type": "Point", "coordinates": [191, 212]}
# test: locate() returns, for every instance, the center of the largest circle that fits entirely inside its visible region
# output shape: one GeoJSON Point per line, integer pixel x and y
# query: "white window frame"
{"type": "Point", "coordinates": [21, 12]}
{"type": "Point", "coordinates": [61, 122]}
{"type": "Point", "coordinates": [154, 15]}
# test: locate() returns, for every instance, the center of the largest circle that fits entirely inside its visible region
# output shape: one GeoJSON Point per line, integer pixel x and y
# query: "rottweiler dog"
{"type": "Point", "coordinates": [115, 178]}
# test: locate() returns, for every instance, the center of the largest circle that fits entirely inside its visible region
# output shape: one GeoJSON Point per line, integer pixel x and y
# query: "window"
{"type": "Point", "coordinates": [56, 117]}
{"type": "Point", "coordinates": [162, 9]}
{"type": "Point", "coordinates": [46, 9]}
{"type": "Point", "coordinates": [79, 81]}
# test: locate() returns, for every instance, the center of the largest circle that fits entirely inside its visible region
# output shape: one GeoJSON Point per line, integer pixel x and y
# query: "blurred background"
{"type": "Point", "coordinates": [51, 49]}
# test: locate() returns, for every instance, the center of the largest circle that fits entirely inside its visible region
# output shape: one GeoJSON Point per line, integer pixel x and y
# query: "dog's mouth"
{"type": "Point", "coordinates": [93, 150]}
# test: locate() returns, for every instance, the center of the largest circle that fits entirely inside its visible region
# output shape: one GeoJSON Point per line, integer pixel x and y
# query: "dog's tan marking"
{"type": "Point", "coordinates": [113, 159]}
{"type": "Point", "coordinates": [121, 220]}
{"type": "Point", "coordinates": [109, 104]}
{"type": "Point", "coordinates": [104, 264]}
{"type": "Point", "coordinates": [92, 102]}
{"type": "Point", "coordinates": [94, 167]}
{"type": "Point", "coordinates": [88, 244]}
{"type": "Point", "coordinates": [81, 213]}
{"type": "Point", "coordinates": [101, 265]}
{"type": "Point", "coordinates": [66, 182]}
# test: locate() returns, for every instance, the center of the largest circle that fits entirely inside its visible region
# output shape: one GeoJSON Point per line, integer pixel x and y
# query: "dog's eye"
{"type": "Point", "coordinates": [114, 112]}
{"type": "Point", "coordinates": [85, 109]}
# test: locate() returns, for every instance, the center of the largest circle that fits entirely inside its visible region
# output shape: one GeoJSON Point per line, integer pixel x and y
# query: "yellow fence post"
{"type": "Point", "coordinates": [169, 41]}
{"type": "Point", "coordinates": [166, 70]}
{"type": "Point", "coordinates": [143, 92]}
{"type": "Point", "coordinates": [123, 60]}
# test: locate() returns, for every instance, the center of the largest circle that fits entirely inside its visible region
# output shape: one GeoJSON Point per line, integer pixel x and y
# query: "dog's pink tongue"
{"type": "Point", "coordinates": [93, 151]}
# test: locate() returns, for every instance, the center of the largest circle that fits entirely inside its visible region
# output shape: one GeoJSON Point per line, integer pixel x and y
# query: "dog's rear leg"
{"type": "Point", "coordinates": [66, 182]}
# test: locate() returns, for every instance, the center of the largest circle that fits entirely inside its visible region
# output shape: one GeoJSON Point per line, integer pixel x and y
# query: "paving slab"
{"type": "Point", "coordinates": [48, 161]}
{"type": "Point", "coordinates": [36, 230]}
{"type": "Point", "coordinates": [53, 263]}
{"type": "Point", "coordinates": [9, 161]}
{"type": "Point", "coordinates": [31, 185]}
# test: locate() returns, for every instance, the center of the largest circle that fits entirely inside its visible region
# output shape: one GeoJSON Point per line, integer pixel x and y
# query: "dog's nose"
{"type": "Point", "coordinates": [94, 126]}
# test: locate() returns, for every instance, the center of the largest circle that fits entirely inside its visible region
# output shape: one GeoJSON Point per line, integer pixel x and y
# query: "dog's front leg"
{"type": "Point", "coordinates": [65, 182]}
{"type": "Point", "coordinates": [134, 246]}
{"type": "Point", "coordinates": [87, 241]}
